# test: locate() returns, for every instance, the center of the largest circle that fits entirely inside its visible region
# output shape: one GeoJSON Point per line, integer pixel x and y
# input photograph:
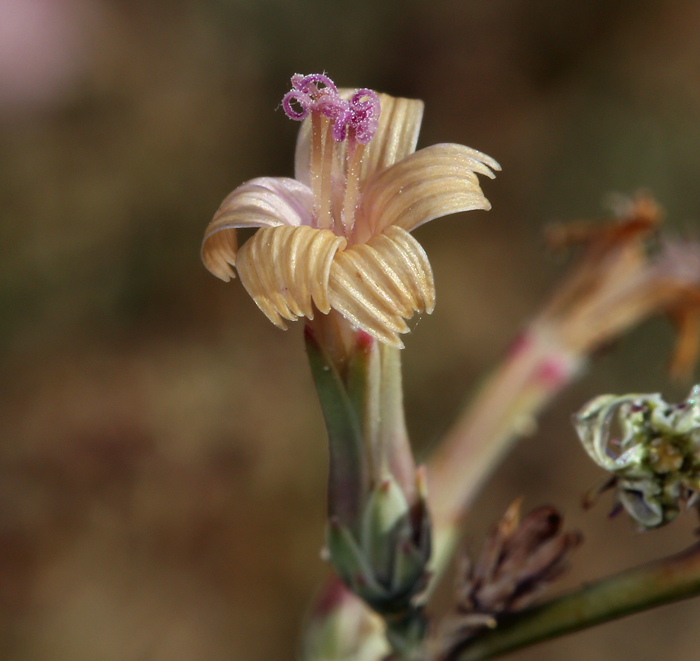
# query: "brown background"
{"type": "Point", "coordinates": [162, 463]}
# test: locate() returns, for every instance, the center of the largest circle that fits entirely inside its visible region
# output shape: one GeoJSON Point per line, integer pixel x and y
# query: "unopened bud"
{"type": "Point", "coordinates": [385, 561]}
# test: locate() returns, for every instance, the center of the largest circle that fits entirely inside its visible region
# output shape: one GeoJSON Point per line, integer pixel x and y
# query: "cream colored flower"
{"type": "Point", "coordinates": [337, 236]}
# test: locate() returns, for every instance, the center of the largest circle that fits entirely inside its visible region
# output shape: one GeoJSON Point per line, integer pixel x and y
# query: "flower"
{"type": "Point", "coordinates": [337, 236]}
{"type": "Point", "coordinates": [651, 448]}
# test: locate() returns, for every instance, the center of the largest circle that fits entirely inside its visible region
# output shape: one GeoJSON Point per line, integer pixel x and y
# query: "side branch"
{"type": "Point", "coordinates": [660, 582]}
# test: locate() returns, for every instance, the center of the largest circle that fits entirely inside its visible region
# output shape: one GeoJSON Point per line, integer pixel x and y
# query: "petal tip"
{"type": "Point", "coordinates": [219, 266]}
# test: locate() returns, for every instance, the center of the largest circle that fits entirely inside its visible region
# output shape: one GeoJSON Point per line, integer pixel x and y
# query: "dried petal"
{"type": "Point", "coordinates": [492, 551]}
{"type": "Point", "coordinates": [517, 563]}
{"type": "Point", "coordinates": [616, 282]}
{"type": "Point", "coordinates": [686, 318]}
{"type": "Point", "coordinates": [518, 559]}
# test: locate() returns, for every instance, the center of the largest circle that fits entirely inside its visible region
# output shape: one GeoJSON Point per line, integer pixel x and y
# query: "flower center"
{"type": "Point", "coordinates": [335, 122]}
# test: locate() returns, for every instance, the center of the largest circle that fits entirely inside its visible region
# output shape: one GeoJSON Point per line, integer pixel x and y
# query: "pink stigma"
{"type": "Point", "coordinates": [317, 93]}
{"type": "Point", "coordinates": [364, 109]}
{"type": "Point", "coordinates": [309, 84]}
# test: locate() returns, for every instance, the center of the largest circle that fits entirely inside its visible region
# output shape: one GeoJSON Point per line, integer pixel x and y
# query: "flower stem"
{"type": "Point", "coordinates": [378, 537]}
{"type": "Point", "coordinates": [503, 411]}
{"type": "Point", "coordinates": [348, 480]}
{"type": "Point", "coordinates": [660, 582]}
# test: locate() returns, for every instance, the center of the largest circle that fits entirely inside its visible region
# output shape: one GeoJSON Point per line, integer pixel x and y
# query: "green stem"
{"type": "Point", "coordinates": [661, 582]}
{"type": "Point", "coordinates": [348, 480]}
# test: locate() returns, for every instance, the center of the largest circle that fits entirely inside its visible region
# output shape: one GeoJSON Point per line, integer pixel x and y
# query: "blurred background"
{"type": "Point", "coordinates": [162, 465]}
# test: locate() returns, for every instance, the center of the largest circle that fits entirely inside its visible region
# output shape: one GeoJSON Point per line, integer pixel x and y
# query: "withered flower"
{"type": "Point", "coordinates": [651, 448]}
{"type": "Point", "coordinates": [518, 561]}
{"type": "Point", "coordinates": [624, 274]}
{"type": "Point", "coordinates": [337, 236]}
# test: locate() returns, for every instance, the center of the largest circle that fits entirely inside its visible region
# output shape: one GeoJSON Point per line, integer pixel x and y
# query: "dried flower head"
{"type": "Point", "coordinates": [624, 274]}
{"type": "Point", "coordinates": [652, 449]}
{"type": "Point", "coordinates": [337, 236]}
{"type": "Point", "coordinates": [517, 563]}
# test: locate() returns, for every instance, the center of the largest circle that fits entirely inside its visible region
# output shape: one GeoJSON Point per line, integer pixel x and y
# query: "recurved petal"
{"type": "Point", "coordinates": [286, 269]}
{"type": "Point", "coordinates": [396, 138]}
{"type": "Point", "coordinates": [433, 182]}
{"type": "Point", "coordinates": [379, 284]}
{"type": "Point", "coordinates": [262, 202]}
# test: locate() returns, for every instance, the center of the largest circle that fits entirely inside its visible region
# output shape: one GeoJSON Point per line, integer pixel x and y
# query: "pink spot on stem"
{"type": "Point", "coordinates": [552, 372]}
{"type": "Point", "coordinates": [521, 344]}
{"type": "Point", "coordinates": [364, 341]}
